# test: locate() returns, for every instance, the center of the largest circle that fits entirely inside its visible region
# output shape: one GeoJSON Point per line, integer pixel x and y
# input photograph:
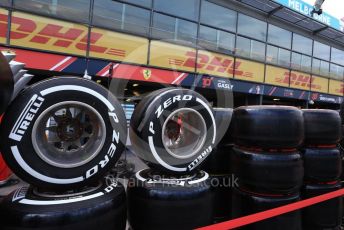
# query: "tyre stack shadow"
{"type": "Point", "coordinates": [323, 168]}
{"type": "Point", "coordinates": [222, 180]}
{"type": "Point", "coordinates": [267, 163]}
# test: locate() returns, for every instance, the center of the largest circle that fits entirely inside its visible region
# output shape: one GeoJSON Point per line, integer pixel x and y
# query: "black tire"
{"type": "Point", "coordinates": [6, 84]}
{"type": "Point", "coordinates": [152, 121]}
{"type": "Point", "coordinates": [221, 185]}
{"type": "Point", "coordinates": [103, 208]}
{"type": "Point", "coordinates": [270, 173]}
{"type": "Point", "coordinates": [322, 127]}
{"type": "Point", "coordinates": [325, 215]}
{"type": "Point", "coordinates": [219, 161]}
{"type": "Point", "coordinates": [246, 203]}
{"type": "Point", "coordinates": [223, 117]}
{"type": "Point", "coordinates": [156, 203]}
{"type": "Point", "coordinates": [268, 127]}
{"type": "Point", "coordinates": [322, 165]}
{"type": "Point", "coordinates": [341, 112]}
{"type": "Point", "coordinates": [33, 158]}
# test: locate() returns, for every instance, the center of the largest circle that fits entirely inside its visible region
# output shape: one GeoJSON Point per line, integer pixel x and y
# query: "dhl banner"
{"type": "Point", "coordinates": [336, 87]}
{"type": "Point", "coordinates": [116, 46]}
{"type": "Point", "coordinates": [48, 34]}
{"type": "Point", "coordinates": [54, 35]}
{"type": "Point", "coordinates": [3, 25]}
{"type": "Point", "coordinates": [300, 80]}
{"type": "Point", "coordinates": [248, 70]}
{"type": "Point", "coordinates": [319, 84]}
{"type": "Point", "coordinates": [277, 76]}
{"type": "Point", "coordinates": [215, 64]}
{"type": "Point", "coordinates": [172, 56]}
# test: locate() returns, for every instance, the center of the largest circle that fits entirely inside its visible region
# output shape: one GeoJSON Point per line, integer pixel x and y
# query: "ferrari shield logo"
{"type": "Point", "coordinates": [147, 73]}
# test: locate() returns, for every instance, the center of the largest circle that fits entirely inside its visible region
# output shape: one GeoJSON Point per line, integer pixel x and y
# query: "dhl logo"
{"type": "Point", "coordinates": [211, 63]}
{"type": "Point", "coordinates": [304, 81]}
{"type": "Point", "coordinates": [55, 35]}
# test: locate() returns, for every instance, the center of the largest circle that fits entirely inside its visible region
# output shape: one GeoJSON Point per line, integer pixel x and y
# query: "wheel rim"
{"type": "Point", "coordinates": [184, 133]}
{"type": "Point", "coordinates": [161, 177]}
{"type": "Point", "coordinates": [68, 134]}
{"type": "Point", "coordinates": [74, 193]}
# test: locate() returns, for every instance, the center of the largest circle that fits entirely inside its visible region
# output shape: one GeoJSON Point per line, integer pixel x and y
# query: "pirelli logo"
{"type": "Point", "coordinates": [26, 117]}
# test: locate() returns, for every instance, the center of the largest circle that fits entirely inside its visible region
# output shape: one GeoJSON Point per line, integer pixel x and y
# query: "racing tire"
{"type": "Point", "coordinates": [63, 133]}
{"type": "Point", "coordinates": [268, 127]}
{"type": "Point", "coordinates": [322, 165]}
{"type": "Point", "coordinates": [322, 127]}
{"type": "Point", "coordinates": [100, 207]}
{"type": "Point", "coordinates": [324, 215]}
{"type": "Point", "coordinates": [245, 203]}
{"type": "Point", "coordinates": [158, 202]}
{"type": "Point", "coordinates": [266, 172]}
{"type": "Point", "coordinates": [173, 130]}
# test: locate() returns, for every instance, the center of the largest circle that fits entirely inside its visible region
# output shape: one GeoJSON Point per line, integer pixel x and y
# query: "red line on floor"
{"type": "Point", "coordinates": [235, 223]}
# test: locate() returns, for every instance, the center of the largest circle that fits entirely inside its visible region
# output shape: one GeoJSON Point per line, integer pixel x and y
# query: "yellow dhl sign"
{"type": "Point", "coordinates": [277, 76]}
{"type": "Point", "coordinates": [305, 81]}
{"type": "Point", "coordinates": [178, 57]}
{"type": "Point", "coordinates": [300, 80]}
{"type": "Point", "coordinates": [336, 87]}
{"type": "Point", "coordinates": [172, 56]}
{"type": "Point", "coordinates": [49, 34]}
{"type": "Point", "coordinates": [3, 25]}
{"type": "Point", "coordinates": [294, 79]}
{"type": "Point", "coordinates": [215, 64]}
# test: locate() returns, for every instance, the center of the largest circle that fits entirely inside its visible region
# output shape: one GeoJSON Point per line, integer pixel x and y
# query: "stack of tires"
{"type": "Point", "coordinates": [323, 167]}
{"type": "Point", "coordinates": [267, 163]}
{"type": "Point", "coordinates": [62, 136]}
{"type": "Point", "coordinates": [173, 130]}
{"type": "Point", "coordinates": [341, 143]}
{"type": "Point", "coordinates": [218, 167]}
